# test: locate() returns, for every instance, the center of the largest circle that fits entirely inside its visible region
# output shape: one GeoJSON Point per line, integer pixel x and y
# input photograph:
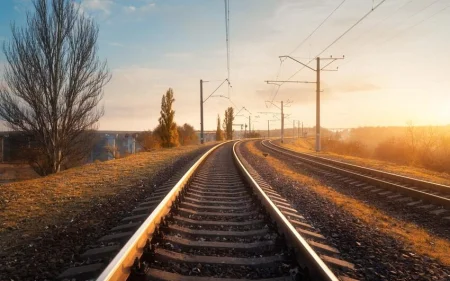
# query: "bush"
{"type": "Point", "coordinates": [393, 150]}
{"type": "Point", "coordinates": [352, 148]}
{"type": "Point", "coordinates": [148, 140]}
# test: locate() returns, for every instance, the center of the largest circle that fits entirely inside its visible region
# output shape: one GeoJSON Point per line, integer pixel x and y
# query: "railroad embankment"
{"type": "Point", "coordinates": [76, 205]}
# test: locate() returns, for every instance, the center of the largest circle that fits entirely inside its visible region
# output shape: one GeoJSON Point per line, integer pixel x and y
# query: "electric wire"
{"type": "Point", "coordinates": [227, 32]}
{"type": "Point", "coordinates": [366, 42]}
{"type": "Point", "coordinates": [301, 44]}
{"type": "Point", "coordinates": [416, 24]}
{"type": "Point", "coordinates": [311, 34]}
{"type": "Point", "coordinates": [215, 90]}
{"type": "Point", "coordinates": [369, 31]}
{"type": "Point", "coordinates": [340, 37]}
{"type": "Point", "coordinates": [408, 28]}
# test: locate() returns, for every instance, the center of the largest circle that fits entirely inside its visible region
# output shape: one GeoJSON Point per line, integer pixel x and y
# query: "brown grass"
{"type": "Point", "coordinates": [10, 172]}
{"type": "Point", "coordinates": [32, 204]}
{"type": "Point", "coordinates": [417, 238]}
{"type": "Point", "coordinates": [307, 146]}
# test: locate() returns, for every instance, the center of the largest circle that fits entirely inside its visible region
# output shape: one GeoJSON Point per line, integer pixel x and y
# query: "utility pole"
{"type": "Point", "coordinates": [298, 129]}
{"type": "Point", "coordinates": [201, 112]}
{"type": "Point", "coordinates": [249, 124]}
{"type": "Point", "coordinates": [202, 139]}
{"type": "Point", "coordinates": [302, 131]}
{"type": "Point", "coordinates": [317, 82]}
{"type": "Point", "coordinates": [318, 105]}
{"type": "Point", "coordinates": [282, 115]}
{"type": "Point", "coordinates": [293, 129]}
{"type": "Point", "coordinates": [268, 127]}
{"type": "Point", "coordinates": [282, 123]}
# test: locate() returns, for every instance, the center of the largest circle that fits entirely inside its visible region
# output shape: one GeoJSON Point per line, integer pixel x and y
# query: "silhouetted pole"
{"type": "Point", "coordinates": [318, 105]}
{"type": "Point", "coordinates": [293, 129]}
{"type": "Point", "coordinates": [298, 128]}
{"type": "Point", "coordinates": [201, 113]}
{"type": "Point", "coordinates": [249, 124]}
{"type": "Point", "coordinates": [268, 129]}
{"type": "Point", "coordinates": [282, 123]}
{"type": "Point", "coordinates": [317, 70]}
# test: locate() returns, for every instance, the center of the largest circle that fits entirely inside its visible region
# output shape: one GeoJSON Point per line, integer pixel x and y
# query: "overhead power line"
{"type": "Point", "coordinates": [416, 24]}
{"type": "Point", "coordinates": [341, 36]}
{"type": "Point", "coordinates": [351, 27]}
{"type": "Point", "coordinates": [277, 87]}
{"type": "Point", "coordinates": [227, 33]}
{"type": "Point", "coordinates": [311, 34]}
{"type": "Point", "coordinates": [361, 47]}
{"type": "Point", "coordinates": [369, 31]}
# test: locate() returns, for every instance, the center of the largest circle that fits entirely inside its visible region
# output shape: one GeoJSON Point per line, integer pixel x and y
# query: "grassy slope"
{"type": "Point", "coordinates": [307, 146]}
{"type": "Point", "coordinates": [417, 238]}
{"type": "Point", "coordinates": [32, 204]}
{"type": "Point", "coordinates": [10, 172]}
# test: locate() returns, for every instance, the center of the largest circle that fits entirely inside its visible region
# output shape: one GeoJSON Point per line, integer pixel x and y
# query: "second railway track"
{"type": "Point", "coordinates": [436, 195]}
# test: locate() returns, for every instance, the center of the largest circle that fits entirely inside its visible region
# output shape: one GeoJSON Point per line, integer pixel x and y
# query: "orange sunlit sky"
{"type": "Point", "coordinates": [395, 68]}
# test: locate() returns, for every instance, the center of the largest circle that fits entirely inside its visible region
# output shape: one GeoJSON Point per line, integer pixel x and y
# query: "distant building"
{"type": "Point", "coordinates": [208, 135]}
{"type": "Point", "coordinates": [109, 144]}
{"type": "Point", "coordinates": [112, 144]}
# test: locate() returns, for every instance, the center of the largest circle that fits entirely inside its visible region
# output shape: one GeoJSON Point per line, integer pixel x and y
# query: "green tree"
{"type": "Point", "coordinates": [168, 128]}
{"type": "Point", "coordinates": [219, 133]}
{"type": "Point", "coordinates": [228, 123]}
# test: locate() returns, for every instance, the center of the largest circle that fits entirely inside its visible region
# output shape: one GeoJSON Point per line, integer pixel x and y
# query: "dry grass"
{"type": "Point", "coordinates": [32, 204]}
{"type": "Point", "coordinates": [418, 239]}
{"type": "Point", "coordinates": [16, 172]}
{"type": "Point", "coordinates": [307, 146]}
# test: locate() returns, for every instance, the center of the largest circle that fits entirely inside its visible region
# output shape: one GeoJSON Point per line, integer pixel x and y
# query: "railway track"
{"type": "Point", "coordinates": [414, 192]}
{"type": "Point", "coordinates": [218, 223]}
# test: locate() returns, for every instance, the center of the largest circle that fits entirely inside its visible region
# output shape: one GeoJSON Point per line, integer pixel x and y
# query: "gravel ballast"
{"type": "Point", "coordinates": [377, 256]}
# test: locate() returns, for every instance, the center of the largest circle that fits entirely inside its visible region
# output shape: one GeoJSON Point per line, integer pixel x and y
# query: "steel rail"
{"type": "Point", "coordinates": [120, 267]}
{"type": "Point", "coordinates": [316, 160]}
{"type": "Point", "coordinates": [304, 253]}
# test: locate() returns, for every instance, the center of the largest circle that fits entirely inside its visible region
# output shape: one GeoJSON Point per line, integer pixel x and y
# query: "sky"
{"type": "Point", "coordinates": [395, 66]}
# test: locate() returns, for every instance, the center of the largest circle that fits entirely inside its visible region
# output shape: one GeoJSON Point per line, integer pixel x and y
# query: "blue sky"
{"type": "Point", "coordinates": [395, 68]}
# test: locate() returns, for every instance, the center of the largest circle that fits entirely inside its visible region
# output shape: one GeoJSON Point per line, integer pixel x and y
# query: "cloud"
{"type": "Point", "coordinates": [143, 8]}
{"type": "Point", "coordinates": [103, 6]}
{"type": "Point", "coordinates": [130, 9]}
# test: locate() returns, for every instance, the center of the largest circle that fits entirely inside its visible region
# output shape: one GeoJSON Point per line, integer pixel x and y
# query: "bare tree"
{"type": "Point", "coordinates": [54, 81]}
